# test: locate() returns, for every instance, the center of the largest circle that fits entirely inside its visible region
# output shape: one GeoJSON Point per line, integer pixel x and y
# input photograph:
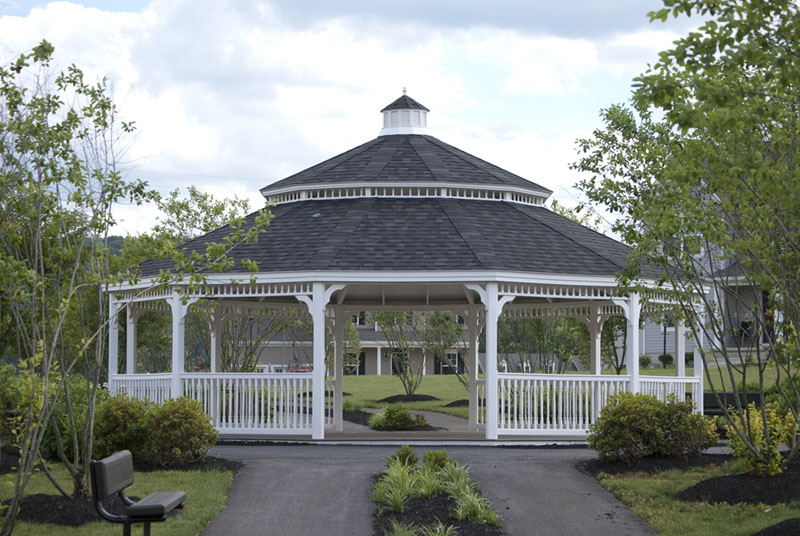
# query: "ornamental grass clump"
{"type": "Point", "coordinates": [438, 475]}
{"type": "Point", "coordinates": [637, 426]}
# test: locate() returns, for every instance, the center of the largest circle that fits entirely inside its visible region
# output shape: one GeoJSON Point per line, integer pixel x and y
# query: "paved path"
{"type": "Point", "coordinates": [309, 490]}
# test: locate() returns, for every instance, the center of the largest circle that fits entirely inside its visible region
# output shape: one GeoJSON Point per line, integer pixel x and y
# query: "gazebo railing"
{"type": "Point", "coordinates": [154, 387]}
{"type": "Point", "coordinates": [257, 403]}
{"type": "Point", "coordinates": [662, 387]}
{"type": "Point", "coordinates": [553, 404]}
{"type": "Point", "coordinates": [568, 404]}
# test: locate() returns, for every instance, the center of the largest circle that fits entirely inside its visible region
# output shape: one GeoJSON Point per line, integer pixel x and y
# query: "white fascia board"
{"type": "Point", "coordinates": [380, 277]}
{"type": "Point", "coordinates": [266, 191]}
{"type": "Point", "coordinates": [392, 131]}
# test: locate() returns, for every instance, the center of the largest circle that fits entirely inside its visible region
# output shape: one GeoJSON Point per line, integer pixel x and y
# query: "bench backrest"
{"type": "Point", "coordinates": [112, 474]}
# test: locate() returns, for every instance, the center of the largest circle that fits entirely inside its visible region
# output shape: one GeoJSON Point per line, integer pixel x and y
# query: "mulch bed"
{"type": "Point", "coordinates": [407, 398]}
{"type": "Point", "coordinates": [464, 402]}
{"type": "Point", "coordinates": [651, 465]}
{"type": "Point", "coordinates": [747, 488]}
{"type": "Point", "coordinates": [59, 510]}
{"type": "Point", "coordinates": [788, 527]}
{"type": "Point", "coordinates": [358, 417]}
{"type": "Point", "coordinates": [426, 511]}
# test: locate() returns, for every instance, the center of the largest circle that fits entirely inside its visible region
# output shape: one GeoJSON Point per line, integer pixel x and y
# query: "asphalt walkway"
{"type": "Point", "coordinates": [313, 490]}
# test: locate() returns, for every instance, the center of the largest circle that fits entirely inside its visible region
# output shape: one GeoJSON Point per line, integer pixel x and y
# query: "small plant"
{"type": "Point", "coordinates": [637, 426]}
{"type": "Point", "coordinates": [437, 459]}
{"type": "Point", "coordinates": [396, 417]}
{"type": "Point", "coordinates": [438, 529]}
{"type": "Point", "coordinates": [400, 529]}
{"type": "Point", "coordinates": [351, 405]}
{"type": "Point", "coordinates": [762, 455]}
{"type": "Point", "coordinates": [429, 481]}
{"type": "Point", "coordinates": [404, 455]}
{"type": "Point", "coordinates": [665, 359]}
{"type": "Point", "coordinates": [644, 361]}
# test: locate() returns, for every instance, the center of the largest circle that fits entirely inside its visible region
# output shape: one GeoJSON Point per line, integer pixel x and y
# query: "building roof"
{"type": "Point", "coordinates": [406, 159]}
{"type": "Point", "coordinates": [405, 103]}
{"type": "Point", "coordinates": [411, 234]}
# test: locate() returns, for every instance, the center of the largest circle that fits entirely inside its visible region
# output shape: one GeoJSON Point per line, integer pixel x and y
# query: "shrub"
{"type": "Point", "coordinates": [437, 459]}
{"type": "Point", "coordinates": [396, 417]}
{"type": "Point", "coordinates": [644, 361]}
{"type": "Point", "coordinates": [79, 402]}
{"type": "Point", "coordinates": [351, 405]}
{"type": "Point", "coordinates": [119, 425]}
{"type": "Point", "coordinates": [636, 426]}
{"type": "Point", "coordinates": [665, 359]}
{"type": "Point", "coordinates": [405, 456]}
{"type": "Point", "coordinates": [762, 457]}
{"type": "Point", "coordinates": [178, 432]}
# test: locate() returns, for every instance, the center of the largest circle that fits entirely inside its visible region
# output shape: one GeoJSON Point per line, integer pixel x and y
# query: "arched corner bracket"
{"type": "Point", "coordinates": [325, 298]}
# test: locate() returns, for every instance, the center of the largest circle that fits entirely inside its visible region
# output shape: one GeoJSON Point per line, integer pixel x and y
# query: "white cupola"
{"type": "Point", "coordinates": [404, 116]}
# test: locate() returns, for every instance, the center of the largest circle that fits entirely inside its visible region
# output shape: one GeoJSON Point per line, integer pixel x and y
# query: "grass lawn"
{"type": "Point", "coordinates": [206, 493]}
{"type": "Point", "coordinates": [717, 375]}
{"type": "Point", "coordinates": [651, 498]}
{"type": "Point", "coordinates": [369, 389]}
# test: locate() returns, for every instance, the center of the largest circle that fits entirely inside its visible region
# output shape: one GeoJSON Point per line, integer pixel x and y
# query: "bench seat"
{"type": "Point", "coordinates": [156, 504]}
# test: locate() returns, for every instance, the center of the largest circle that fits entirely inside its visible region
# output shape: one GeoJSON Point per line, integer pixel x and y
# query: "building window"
{"type": "Point", "coordinates": [360, 319]}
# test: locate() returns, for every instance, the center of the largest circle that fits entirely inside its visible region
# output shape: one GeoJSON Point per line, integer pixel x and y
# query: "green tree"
{"type": "Point", "coordinates": [398, 328]}
{"type": "Point", "coordinates": [612, 354]}
{"type": "Point", "coordinates": [708, 195]}
{"type": "Point", "coordinates": [439, 332]}
{"type": "Point", "coordinates": [58, 185]}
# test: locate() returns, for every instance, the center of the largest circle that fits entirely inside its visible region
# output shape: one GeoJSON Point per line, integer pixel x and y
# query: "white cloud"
{"type": "Point", "coordinates": [231, 96]}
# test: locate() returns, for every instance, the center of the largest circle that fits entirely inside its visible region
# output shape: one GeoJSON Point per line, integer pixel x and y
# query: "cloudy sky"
{"type": "Point", "coordinates": [233, 95]}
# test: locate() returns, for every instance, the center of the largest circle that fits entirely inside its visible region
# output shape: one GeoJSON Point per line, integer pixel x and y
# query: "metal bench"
{"type": "Point", "coordinates": [112, 475]}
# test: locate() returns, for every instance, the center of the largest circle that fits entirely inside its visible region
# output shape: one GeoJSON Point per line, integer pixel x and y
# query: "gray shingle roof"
{"type": "Point", "coordinates": [406, 158]}
{"type": "Point", "coordinates": [405, 103]}
{"type": "Point", "coordinates": [431, 234]}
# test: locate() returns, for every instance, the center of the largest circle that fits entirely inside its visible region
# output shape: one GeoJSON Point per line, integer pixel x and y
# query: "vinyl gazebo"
{"type": "Point", "coordinates": [404, 222]}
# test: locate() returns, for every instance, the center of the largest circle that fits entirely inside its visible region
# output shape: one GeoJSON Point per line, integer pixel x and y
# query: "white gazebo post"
{"type": "Point", "coordinates": [132, 316]}
{"type": "Point", "coordinates": [699, 358]}
{"type": "Point", "coordinates": [472, 361]}
{"type": "Point", "coordinates": [632, 314]}
{"type": "Point", "coordinates": [595, 325]}
{"type": "Point", "coordinates": [338, 367]}
{"type": "Point", "coordinates": [178, 331]}
{"type": "Point", "coordinates": [680, 346]}
{"type": "Point", "coordinates": [215, 329]}
{"type": "Point", "coordinates": [316, 304]}
{"type": "Point", "coordinates": [113, 341]}
{"type": "Point", "coordinates": [494, 307]}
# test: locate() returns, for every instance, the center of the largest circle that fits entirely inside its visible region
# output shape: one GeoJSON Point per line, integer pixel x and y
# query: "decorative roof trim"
{"type": "Point", "coordinates": [354, 190]}
{"type": "Point", "coordinates": [298, 279]}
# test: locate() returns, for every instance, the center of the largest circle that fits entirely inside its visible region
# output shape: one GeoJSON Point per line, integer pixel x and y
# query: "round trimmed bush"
{"type": "Point", "coordinates": [637, 426]}
{"type": "Point", "coordinates": [119, 425]}
{"type": "Point", "coordinates": [178, 432]}
{"type": "Point", "coordinates": [396, 417]}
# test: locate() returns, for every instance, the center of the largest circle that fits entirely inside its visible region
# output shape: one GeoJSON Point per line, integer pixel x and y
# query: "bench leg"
{"type": "Point", "coordinates": [126, 529]}
{"type": "Point", "coordinates": [147, 529]}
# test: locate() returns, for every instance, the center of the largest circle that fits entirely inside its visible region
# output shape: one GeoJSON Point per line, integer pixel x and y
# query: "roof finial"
{"type": "Point", "coordinates": [404, 90]}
